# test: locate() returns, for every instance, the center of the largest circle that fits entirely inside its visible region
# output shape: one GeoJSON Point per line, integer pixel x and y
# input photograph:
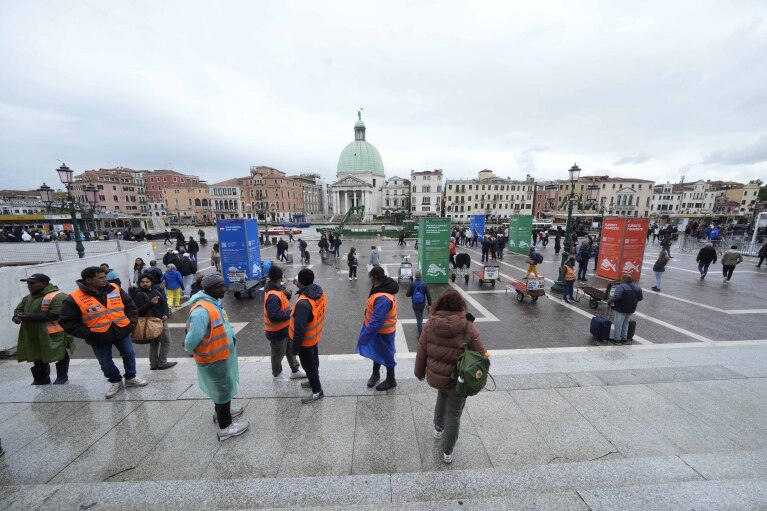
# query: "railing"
{"type": "Point", "coordinates": [44, 252]}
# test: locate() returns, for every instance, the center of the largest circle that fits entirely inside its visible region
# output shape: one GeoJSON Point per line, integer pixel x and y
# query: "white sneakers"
{"type": "Point", "coordinates": [437, 434]}
{"type": "Point", "coordinates": [298, 375]}
{"type": "Point", "coordinates": [114, 388]}
{"type": "Point", "coordinates": [234, 429]}
{"type": "Point", "coordinates": [235, 411]}
{"type": "Point", "coordinates": [283, 376]}
{"type": "Point", "coordinates": [286, 376]}
{"type": "Point", "coordinates": [447, 458]}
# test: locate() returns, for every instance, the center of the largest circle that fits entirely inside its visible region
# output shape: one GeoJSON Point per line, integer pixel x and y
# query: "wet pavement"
{"type": "Point", "coordinates": [688, 310]}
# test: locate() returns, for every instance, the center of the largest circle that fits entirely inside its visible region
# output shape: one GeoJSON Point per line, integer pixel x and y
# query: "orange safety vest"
{"type": "Point", "coordinates": [390, 324]}
{"type": "Point", "coordinates": [214, 346]}
{"type": "Point", "coordinates": [98, 318]}
{"type": "Point", "coordinates": [273, 326]}
{"type": "Point", "coordinates": [313, 332]}
{"type": "Point", "coordinates": [52, 327]}
{"type": "Point", "coordinates": [569, 273]}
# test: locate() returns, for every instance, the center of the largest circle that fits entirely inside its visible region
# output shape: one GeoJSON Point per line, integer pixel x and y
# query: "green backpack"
{"type": "Point", "coordinates": [471, 371]}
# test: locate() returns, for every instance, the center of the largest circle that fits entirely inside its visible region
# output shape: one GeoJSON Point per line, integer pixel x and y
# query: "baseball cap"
{"type": "Point", "coordinates": [37, 277]}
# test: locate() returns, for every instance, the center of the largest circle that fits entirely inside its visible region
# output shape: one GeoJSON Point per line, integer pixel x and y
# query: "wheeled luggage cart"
{"type": "Point", "coordinates": [489, 273]}
{"type": "Point", "coordinates": [532, 287]}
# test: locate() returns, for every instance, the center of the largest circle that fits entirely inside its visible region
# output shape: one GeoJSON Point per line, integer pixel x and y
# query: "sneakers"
{"type": "Point", "coordinates": [314, 397]}
{"type": "Point", "coordinates": [355, 278]}
{"type": "Point", "coordinates": [437, 434]}
{"type": "Point", "coordinates": [657, 289]}
{"type": "Point", "coordinates": [113, 389]}
{"type": "Point", "coordinates": [306, 385]}
{"type": "Point", "coordinates": [234, 429]}
{"type": "Point", "coordinates": [350, 279]}
{"type": "Point", "coordinates": [447, 458]}
{"type": "Point", "coordinates": [297, 375]}
{"type": "Point", "coordinates": [236, 411]}
{"type": "Point", "coordinates": [136, 382]}
{"type": "Point", "coordinates": [282, 377]}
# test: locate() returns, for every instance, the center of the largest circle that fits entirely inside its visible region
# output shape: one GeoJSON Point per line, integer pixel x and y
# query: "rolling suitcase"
{"type": "Point", "coordinates": [290, 258]}
{"type": "Point", "coordinates": [600, 328]}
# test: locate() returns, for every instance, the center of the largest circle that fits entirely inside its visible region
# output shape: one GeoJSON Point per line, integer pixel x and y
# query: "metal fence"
{"type": "Point", "coordinates": [52, 251]}
{"type": "Point", "coordinates": [691, 244]}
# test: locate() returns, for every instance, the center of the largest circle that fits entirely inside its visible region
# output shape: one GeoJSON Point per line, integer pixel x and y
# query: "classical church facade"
{"type": "Point", "coordinates": [360, 175]}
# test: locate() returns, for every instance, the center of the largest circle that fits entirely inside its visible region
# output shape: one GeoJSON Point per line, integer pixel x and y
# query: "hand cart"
{"type": "Point", "coordinates": [534, 288]}
{"type": "Point", "coordinates": [596, 296]}
{"type": "Point", "coordinates": [461, 267]}
{"type": "Point", "coordinates": [405, 271]}
{"type": "Point", "coordinates": [489, 273]}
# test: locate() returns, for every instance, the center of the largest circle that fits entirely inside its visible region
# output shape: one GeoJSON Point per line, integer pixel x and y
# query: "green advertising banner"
{"type": "Point", "coordinates": [520, 232]}
{"type": "Point", "coordinates": [434, 249]}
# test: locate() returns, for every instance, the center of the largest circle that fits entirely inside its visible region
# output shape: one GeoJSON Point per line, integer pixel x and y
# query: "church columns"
{"type": "Point", "coordinates": [346, 202]}
{"type": "Point", "coordinates": [336, 201]}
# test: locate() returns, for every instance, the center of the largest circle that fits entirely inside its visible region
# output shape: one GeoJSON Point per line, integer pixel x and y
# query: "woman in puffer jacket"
{"type": "Point", "coordinates": [448, 328]}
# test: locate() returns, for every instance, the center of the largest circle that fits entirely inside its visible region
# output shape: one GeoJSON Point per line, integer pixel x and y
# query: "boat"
{"type": "Point", "coordinates": [282, 231]}
{"type": "Point", "coordinates": [301, 225]}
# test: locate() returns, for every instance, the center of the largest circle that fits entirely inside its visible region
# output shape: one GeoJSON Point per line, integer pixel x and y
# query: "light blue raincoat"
{"type": "Point", "coordinates": [219, 379]}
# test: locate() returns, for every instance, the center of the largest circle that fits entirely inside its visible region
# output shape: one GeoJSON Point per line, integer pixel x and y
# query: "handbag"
{"type": "Point", "coordinates": [147, 329]}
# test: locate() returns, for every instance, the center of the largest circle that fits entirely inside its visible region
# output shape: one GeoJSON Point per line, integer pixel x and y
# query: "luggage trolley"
{"type": "Point", "coordinates": [534, 288]}
{"type": "Point", "coordinates": [461, 267]}
{"type": "Point", "coordinates": [405, 269]}
{"type": "Point", "coordinates": [596, 296]}
{"type": "Point", "coordinates": [488, 273]}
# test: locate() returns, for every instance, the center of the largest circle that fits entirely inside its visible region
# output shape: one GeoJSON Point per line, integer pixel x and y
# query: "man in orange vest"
{"type": "Point", "coordinates": [41, 338]}
{"type": "Point", "coordinates": [305, 330]}
{"type": "Point", "coordinates": [376, 339]}
{"type": "Point", "coordinates": [103, 315]}
{"type": "Point", "coordinates": [276, 321]}
{"type": "Point", "coordinates": [211, 341]}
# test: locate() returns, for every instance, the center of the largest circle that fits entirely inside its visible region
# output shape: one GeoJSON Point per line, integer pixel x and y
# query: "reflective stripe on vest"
{"type": "Point", "coordinates": [390, 323]}
{"type": "Point", "coordinates": [569, 273]}
{"type": "Point", "coordinates": [273, 326]}
{"type": "Point", "coordinates": [97, 317]}
{"type": "Point", "coordinates": [214, 346]}
{"type": "Point", "coordinates": [51, 326]}
{"type": "Point", "coordinates": [313, 332]}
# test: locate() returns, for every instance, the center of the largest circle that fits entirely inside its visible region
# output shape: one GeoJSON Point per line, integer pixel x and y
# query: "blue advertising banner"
{"type": "Point", "coordinates": [477, 223]}
{"type": "Point", "coordinates": [240, 251]}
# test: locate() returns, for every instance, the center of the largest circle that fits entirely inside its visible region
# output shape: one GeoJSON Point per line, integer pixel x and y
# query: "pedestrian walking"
{"type": "Point", "coordinates": [730, 259]}
{"type": "Point", "coordinates": [174, 283]}
{"type": "Point", "coordinates": [452, 251]}
{"type": "Point", "coordinates": [402, 242]}
{"type": "Point", "coordinates": [567, 271]}
{"type": "Point", "coordinates": [706, 256]}
{"type": "Point", "coordinates": [41, 339]}
{"type": "Point", "coordinates": [352, 262]}
{"type": "Point", "coordinates": [154, 272]}
{"type": "Point", "coordinates": [501, 245]}
{"type": "Point", "coordinates": [305, 331]}
{"type": "Point", "coordinates": [762, 254]}
{"type": "Point", "coordinates": [167, 238]}
{"type": "Point", "coordinates": [282, 249]}
{"type": "Point", "coordinates": [375, 256]}
{"type": "Point", "coordinates": [337, 247]}
{"type": "Point", "coordinates": [103, 315]}
{"type": "Point", "coordinates": [493, 248]}
{"type": "Point", "coordinates": [376, 339]}
{"type": "Point", "coordinates": [138, 270]}
{"type": "Point", "coordinates": [485, 249]}
{"type": "Point", "coordinates": [211, 341]}
{"type": "Point", "coordinates": [215, 257]}
{"type": "Point", "coordinates": [659, 267]}
{"type": "Point", "coordinates": [302, 245]}
{"type": "Point", "coordinates": [152, 302]}
{"type": "Point", "coordinates": [624, 301]}
{"type": "Point", "coordinates": [187, 268]}
{"type": "Point", "coordinates": [436, 360]}
{"type": "Point", "coordinates": [418, 291]}
{"type": "Point", "coordinates": [193, 248]}
{"type": "Point", "coordinates": [584, 254]}
{"type": "Point", "coordinates": [276, 323]}
{"type": "Point", "coordinates": [557, 243]}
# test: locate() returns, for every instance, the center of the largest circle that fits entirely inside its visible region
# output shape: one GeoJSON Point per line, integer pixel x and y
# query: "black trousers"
{"type": "Point", "coordinates": [310, 361]}
{"type": "Point", "coordinates": [352, 271]}
{"type": "Point", "coordinates": [727, 271]}
{"type": "Point", "coordinates": [224, 415]}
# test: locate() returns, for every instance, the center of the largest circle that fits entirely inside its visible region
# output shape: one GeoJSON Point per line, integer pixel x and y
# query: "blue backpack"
{"type": "Point", "coordinates": [418, 296]}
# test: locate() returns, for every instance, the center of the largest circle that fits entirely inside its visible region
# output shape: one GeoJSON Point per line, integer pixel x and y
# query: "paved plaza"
{"type": "Point", "coordinates": [677, 420]}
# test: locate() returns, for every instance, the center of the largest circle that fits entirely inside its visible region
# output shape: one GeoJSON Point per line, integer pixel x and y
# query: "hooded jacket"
{"type": "Point", "coordinates": [440, 345]}
{"type": "Point", "coordinates": [303, 315]}
{"type": "Point", "coordinates": [371, 343]}
{"type": "Point", "coordinates": [34, 341]}
{"type": "Point", "coordinates": [70, 317]}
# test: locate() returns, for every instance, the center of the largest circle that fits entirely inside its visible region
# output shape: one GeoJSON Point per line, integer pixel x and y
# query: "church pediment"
{"type": "Point", "coordinates": [351, 181]}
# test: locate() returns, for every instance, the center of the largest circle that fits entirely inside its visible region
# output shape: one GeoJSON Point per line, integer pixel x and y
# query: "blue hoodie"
{"type": "Point", "coordinates": [173, 279]}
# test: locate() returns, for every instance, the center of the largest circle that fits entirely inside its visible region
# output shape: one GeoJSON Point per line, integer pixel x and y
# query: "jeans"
{"type": "Point", "coordinates": [622, 325]}
{"type": "Point", "coordinates": [103, 352]}
{"type": "Point", "coordinates": [500, 252]}
{"type": "Point", "coordinates": [727, 271]}
{"type": "Point", "coordinates": [158, 348]}
{"type": "Point", "coordinates": [310, 361]}
{"type": "Point", "coordinates": [224, 414]}
{"type": "Point", "coordinates": [658, 277]}
{"type": "Point", "coordinates": [484, 255]}
{"type": "Point", "coordinates": [703, 267]}
{"type": "Point", "coordinates": [193, 256]}
{"type": "Point", "coordinates": [567, 288]}
{"type": "Point", "coordinates": [447, 417]}
{"type": "Point", "coordinates": [583, 266]}
{"type": "Point", "coordinates": [419, 318]}
{"type": "Point", "coordinates": [187, 280]}
{"type": "Point", "coordinates": [281, 349]}
{"type": "Point", "coordinates": [173, 294]}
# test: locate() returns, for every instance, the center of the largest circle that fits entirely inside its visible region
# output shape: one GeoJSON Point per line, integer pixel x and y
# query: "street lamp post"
{"type": "Point", "coordinates": [574, 172]}
{"type": "Point", "coordinates": [91, 196]}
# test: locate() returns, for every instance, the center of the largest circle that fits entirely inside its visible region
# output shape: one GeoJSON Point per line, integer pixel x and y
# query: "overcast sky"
{"type": "Point", "coordinates": [651, 89]}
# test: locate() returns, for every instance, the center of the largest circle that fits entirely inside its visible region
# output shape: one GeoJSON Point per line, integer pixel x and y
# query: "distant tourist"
{"type": "Point", "coordinates": [706, 256]}
{"type": "Point", "coordinates": [660, 267]}
{"type": "Point", "coordinates": [730, 259]}
{"type": "Point", "coordinates": [418, 291]}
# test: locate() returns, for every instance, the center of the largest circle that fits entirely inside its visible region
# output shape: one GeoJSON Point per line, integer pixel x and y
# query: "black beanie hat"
{"type": "Point", "coordinates": [306, 277]}
{"type": "Point", "coordinates": [275, 273]}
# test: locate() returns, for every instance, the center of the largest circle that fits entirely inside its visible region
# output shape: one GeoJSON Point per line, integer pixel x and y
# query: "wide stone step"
{"type": "Point", "coordinates": [639, 483]}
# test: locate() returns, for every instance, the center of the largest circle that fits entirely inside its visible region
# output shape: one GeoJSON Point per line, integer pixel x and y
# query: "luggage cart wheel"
{"type": "Point", "coordinates": [593, 303]}
{"type": "Point", "coordinates": [535, 298]}
{"type": "Point", "coordinates": [237, 294]}
{"type": "Point", "coordinates": [520, 297]}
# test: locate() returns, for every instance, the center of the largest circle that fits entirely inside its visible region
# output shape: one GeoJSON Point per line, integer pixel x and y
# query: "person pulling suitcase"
{"type": "Point", "coordinates": [625, 300]}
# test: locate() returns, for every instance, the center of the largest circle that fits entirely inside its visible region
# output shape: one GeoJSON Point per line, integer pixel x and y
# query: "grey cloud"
{"type": "Point", "coordinates": [633, 159]}
{"type": "Point", "coordinates": [755, 152]}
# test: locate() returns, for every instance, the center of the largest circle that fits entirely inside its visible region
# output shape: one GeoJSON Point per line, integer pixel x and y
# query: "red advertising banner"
{"type": "Point", "coordinates": [610, 247]}
{"type": "Point", "coordinates": [634, 240]}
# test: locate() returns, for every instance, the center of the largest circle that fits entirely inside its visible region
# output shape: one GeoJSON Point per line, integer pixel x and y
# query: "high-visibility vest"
{"type": "Point", "coordinates": [390, 323]}
{"type": "Point", "coordinates": [97, 317]}
{"type": "Point", "coordinates": [569, 273]}
{"type": "Point", "coordinates": [276, 326]}
{"type": "Point", "coordinates": [313, 332]}
{"type": "Point", "coordinates": [214, 346]}
{"type": "Point", "coordinates": [52, 327]}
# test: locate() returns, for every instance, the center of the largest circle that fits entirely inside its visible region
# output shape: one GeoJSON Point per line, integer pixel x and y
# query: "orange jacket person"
{"type": "Point", "coordinates": [305, 330]}
{"type": "Point", "coordinates": [376, 339]}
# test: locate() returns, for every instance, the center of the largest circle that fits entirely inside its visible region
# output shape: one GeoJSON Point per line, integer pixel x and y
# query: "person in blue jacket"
{"type": "Point", "coordinates": [174, 283]}
{"type": "Point", "coordinates": [376, 339]}
{"type": "Point", "coordinates": [419, 292]}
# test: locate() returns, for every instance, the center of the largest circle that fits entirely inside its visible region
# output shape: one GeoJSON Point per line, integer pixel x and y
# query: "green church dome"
{"type": "Point", "coordinates": [360, 156]}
